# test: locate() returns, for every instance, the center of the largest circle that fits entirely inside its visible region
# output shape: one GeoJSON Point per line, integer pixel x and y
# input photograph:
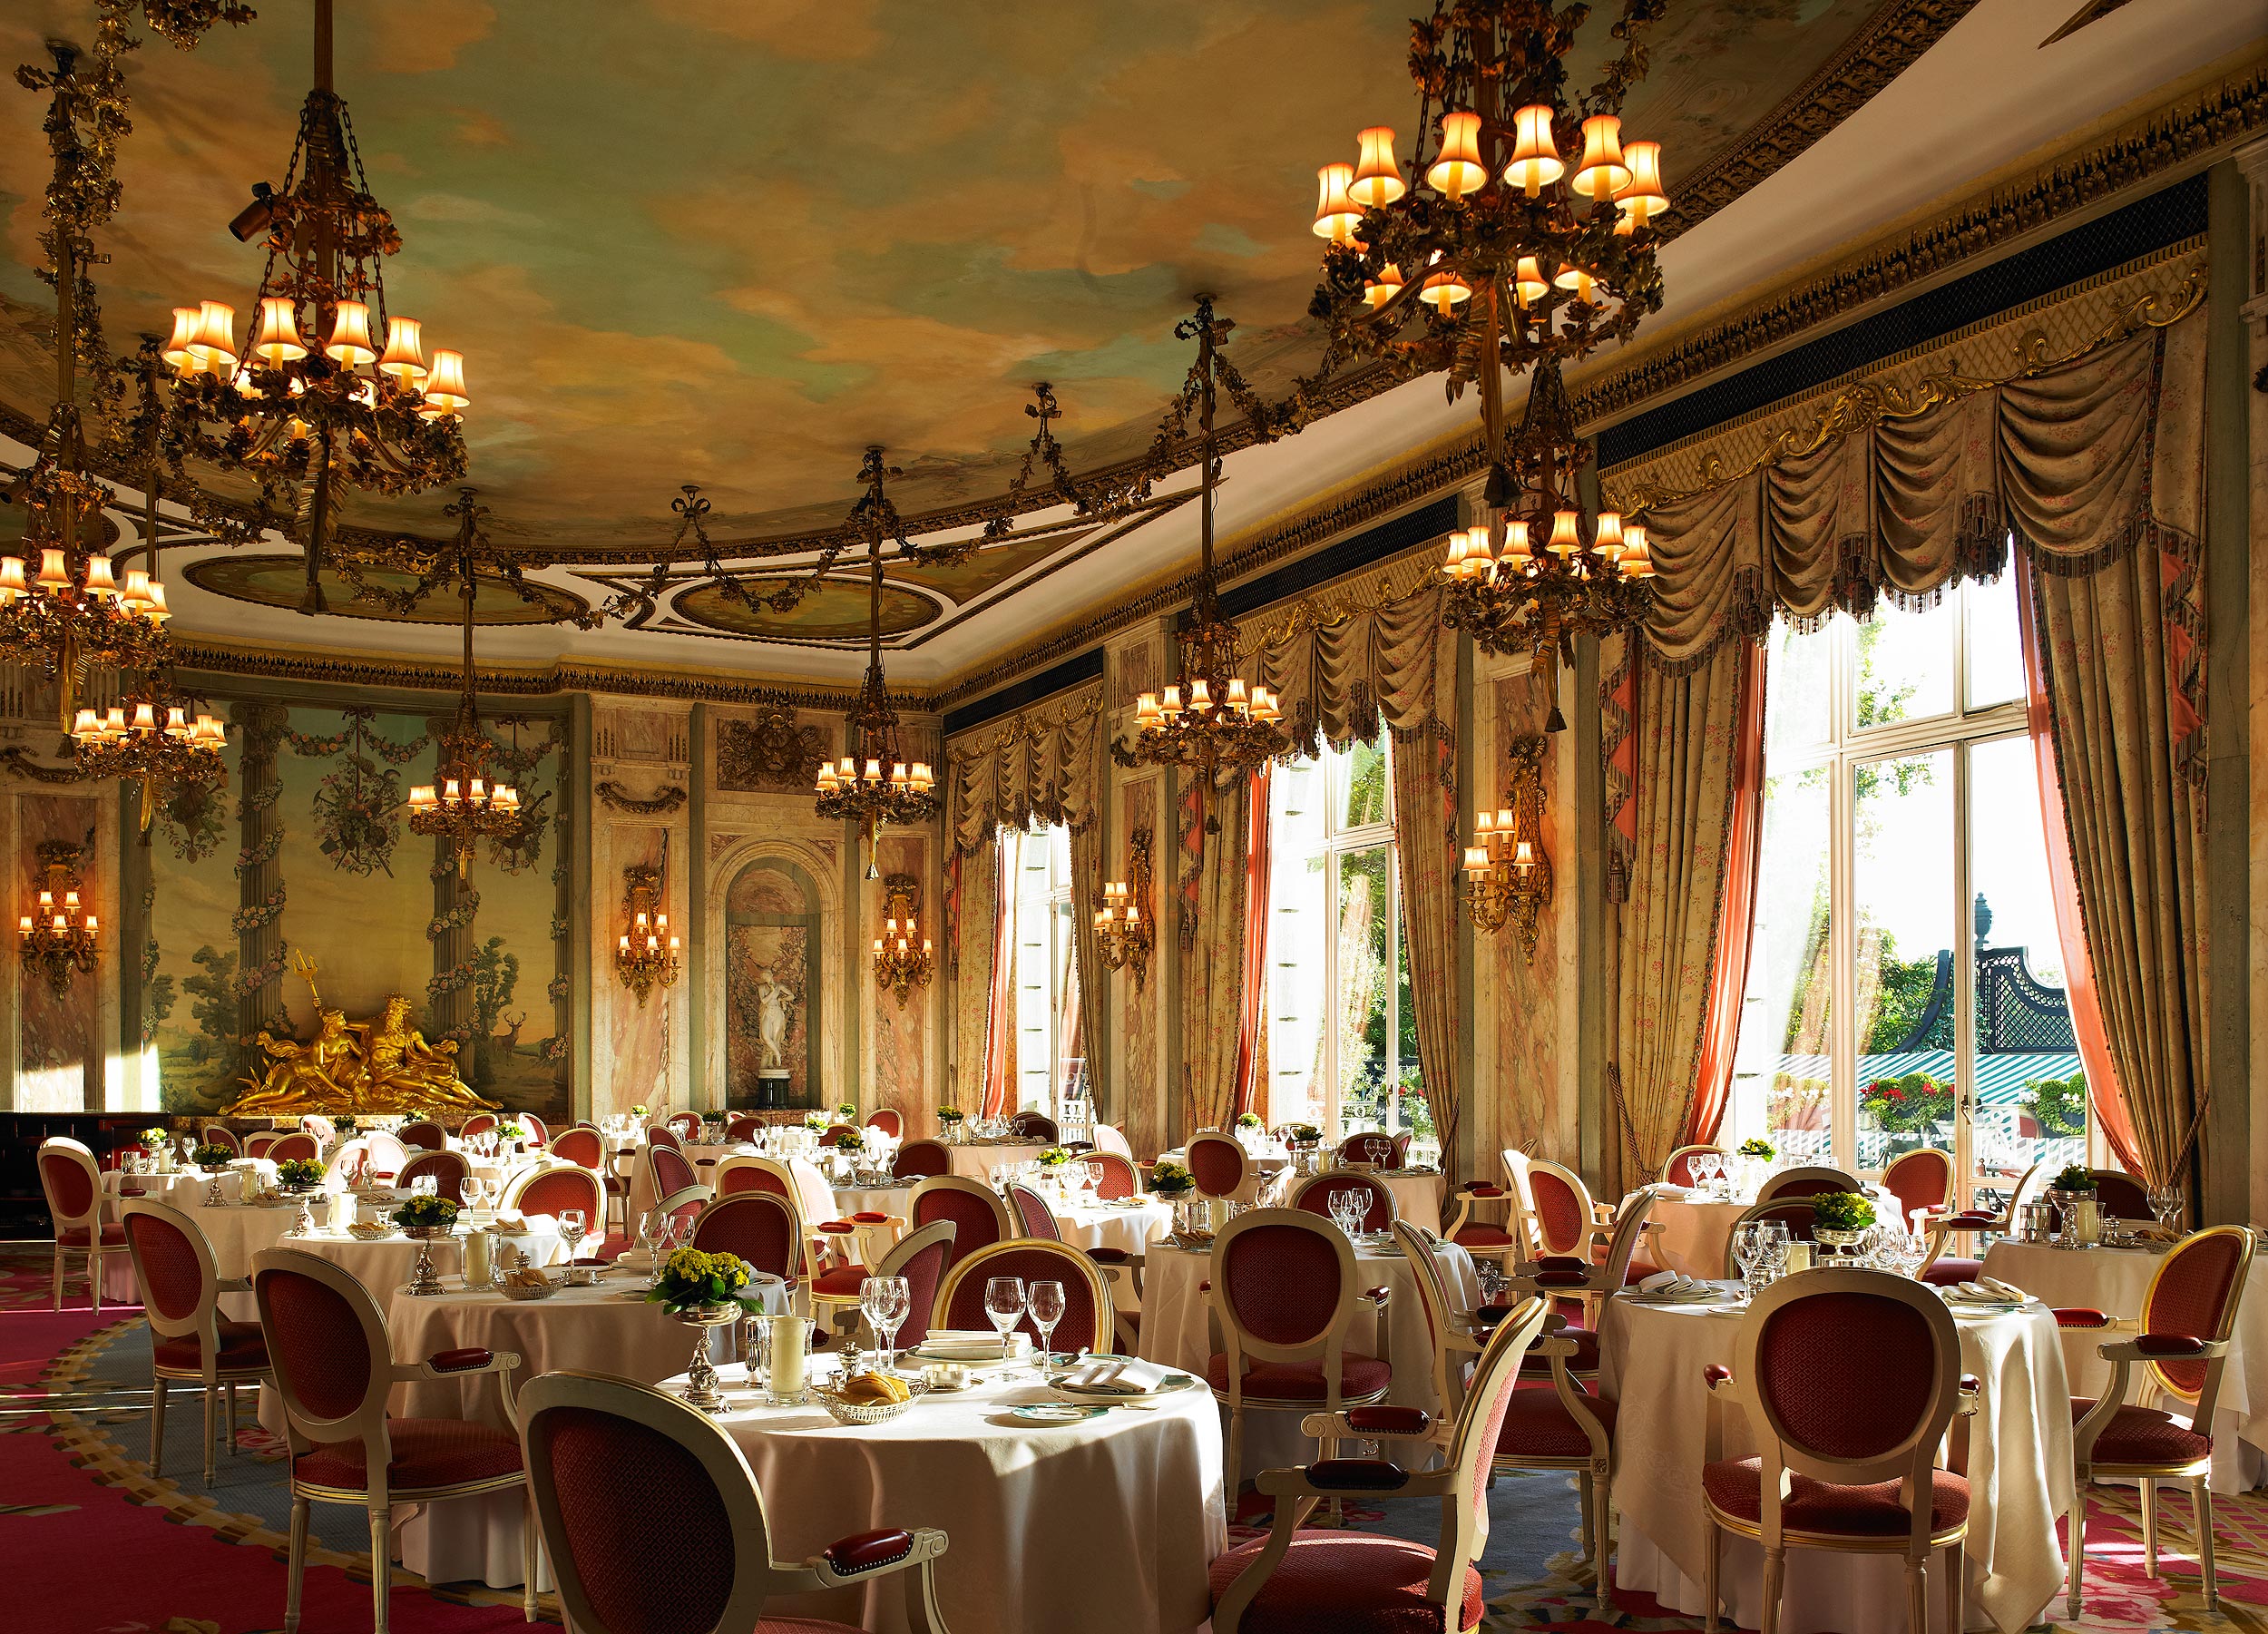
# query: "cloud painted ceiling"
{"type": "Point", "coordinates": [734, 241]}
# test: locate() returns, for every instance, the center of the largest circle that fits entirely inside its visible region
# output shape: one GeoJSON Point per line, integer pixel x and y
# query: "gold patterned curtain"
{"type": "Point", "coordinates": [1212, 881]}
{"type": "Point", "coordinates": [1425, 766]}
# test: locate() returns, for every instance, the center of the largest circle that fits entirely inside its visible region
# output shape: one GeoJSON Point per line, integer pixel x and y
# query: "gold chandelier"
{"type": "Point", "coordinates": [1519, 237]}
{"type": "Point", "coordinates": [333, 392]}
{"type": "Point", "coordinates": [151, 738]}
{"type": "Point", "coordinates": [465, 806]}
{"type": "Point", "coordinates": [58, 942]}
{"type": "Point", "coordinates": [875, 783]}
{"type": "Point", "coordinates": [1208, 720]}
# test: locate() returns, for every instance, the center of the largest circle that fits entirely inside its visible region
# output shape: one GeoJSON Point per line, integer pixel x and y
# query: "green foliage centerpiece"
{"type": "Point", "coordinates": [299, 1174]}
{"type": "Point", "coordinates": [704, 1291]}
{"type": "Point", "coordinates": [1840, 1218]}
{"type": "Point", "coordinates": [426, 1218]}
{"type": "Point", "coordinates": [212, 1158]}
{"type": "Point", "coordinates": [949, 1120]}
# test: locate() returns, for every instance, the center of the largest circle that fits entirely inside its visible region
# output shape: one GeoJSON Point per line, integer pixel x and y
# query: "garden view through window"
{"type": "Point", "coordinates": [1905, 982]}
{"type": "Point", "coordinates": [1049, 1052]}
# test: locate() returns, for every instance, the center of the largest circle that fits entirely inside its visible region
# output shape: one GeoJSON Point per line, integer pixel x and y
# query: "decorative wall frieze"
{"type": "Point", "coordinates": [615, 797]}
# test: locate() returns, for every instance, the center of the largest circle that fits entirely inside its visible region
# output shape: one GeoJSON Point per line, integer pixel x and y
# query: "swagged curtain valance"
{"type": "Point", "coordinates": [1342, 674]}
{"type": "Point", "coordinates": [1900, 484]}
{"type": "Point", "coordinates": [1044, 765]}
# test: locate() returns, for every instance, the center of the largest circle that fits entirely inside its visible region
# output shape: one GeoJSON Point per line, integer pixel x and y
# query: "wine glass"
{"type": "Point", "coordinates": [1004, 1300]}
{"type": "Point", "coordinates": [899, 1306]}
{"type": "Point", "coordinates": [2165, 1203]}
{"type": "Point", "coordinates": [572, 1224]}
{"type": "Point", "coordinates": [469, 1190]}
{"type": "Point", "coordinates": [1046, 1300]}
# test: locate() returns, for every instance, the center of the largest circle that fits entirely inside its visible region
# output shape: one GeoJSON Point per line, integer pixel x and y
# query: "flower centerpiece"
{"type": "Point", "coordinates": [427, 1219]}
{"type": "Point", "coordinates": [1175, 1183]}
{"type": "Point", "coordinates": [1306, 1135]}
{"type": "Point", "coordinates": [848, 1140]}
{"type": "Point", "coordinates": [638, 1109]}
{"type": "Point", "coordinates": [704, 1291]}
{"type": "Point", "coordinates": [1839, 1218]}
{"type": "Point", "coordinates": [212, 1156]}
{"type": "Point", "coordinates": [1055, 1157]}
{"type": "Point", "coordinates": [347, 1125]}
{"type": "Point", "coordinates": [846, 1112]}
{"type": "Point", "coordinates": [299, 1174]}
{"type": "Point", "coordinates": [1170, 1180]}
{"type": "Point", "coordinates": [1247, 1121]}
{"type": "Point", "coordinates": [2073, 1192]}
{"type": "Point", "coordinates": [815, 1121]}
{"type": "Point", "coordinates": [511, 1130]}
{"type": "Point", "coordinates": [155, 1140]}
{"type": "Point", "coordinates": [2076, 1179]}
{"type": "Point", "coordinates": [1762, 1150]}
{"type": "Point", "coordinates": [949, 1123]}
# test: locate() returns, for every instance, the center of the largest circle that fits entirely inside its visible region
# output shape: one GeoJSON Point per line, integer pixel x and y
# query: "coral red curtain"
{"type": "Point", "coordinates": [1251, 1093]}
{"type": "Point", "coordinates": [1728, 976]}
{"type": "Point", "coordinates": [2102, 1094]}
{"type": "Point", "coordinates": [1000, 1031]}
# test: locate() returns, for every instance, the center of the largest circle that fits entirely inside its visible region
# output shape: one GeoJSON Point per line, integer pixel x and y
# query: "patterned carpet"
{"type": "Point", "coordinates": [75, 1492]}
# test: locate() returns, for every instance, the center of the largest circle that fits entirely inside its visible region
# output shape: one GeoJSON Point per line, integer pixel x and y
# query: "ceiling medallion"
{"type": "Point", "coordinates": [465, 805]}
{"type": "Point", "coordinates": [1206, 721]}
{"type": "Point", "coordinates": [1496, 254]}
{"type": "Point", "coordinates": [875, 784]}
{"type": "Point", "coordinates": [334, 392]}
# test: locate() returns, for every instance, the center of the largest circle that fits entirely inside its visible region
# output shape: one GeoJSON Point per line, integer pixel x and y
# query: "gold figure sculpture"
{"type": "Point", "coordinates": [381, 1065]}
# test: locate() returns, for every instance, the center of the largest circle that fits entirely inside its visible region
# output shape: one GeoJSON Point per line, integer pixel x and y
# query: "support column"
{"type": "Point", "coordinates": [260, 939]}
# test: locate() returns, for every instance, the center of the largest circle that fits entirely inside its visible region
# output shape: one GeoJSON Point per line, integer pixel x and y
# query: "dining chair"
{"type": "Point", "coordinates": [1031, 1214]}
{"type": "Point", "coordinates": [1314, 1193]}
{"type": "Point", "coordinates": [539, 1132]}
{"type": "Point", "coordinates": [1110, 1138]}
{"type": "Point", "coordinates": [1566, 1222]}
{"type": "Point", "coordinates": [1484, 1238]}
{"type": "Point", "coordinates": [920, 1159]}
{"type": "Point", "coordinates": [606, 1456]}
{"type": "Point", "coordinates": [258, 1143]}
{"type": "Point", "coordinates": [2182, 1343]}
{"type": "Point", "coordinates": [298, 1144]}
{"type": "Point", "coordinates": [1284, 1289]}
{"type": "Point", "coordinates": [1589, 1285]}
{"type": "Point", "coordinates": [1035, 1126]}
{"type": "Point", "coordinates": [1374, 1147]}
{"type": "Point", "coordinates": [425, 1134]}
{"type": "Point", "coordinates": [190, 1339]}
{"type": "Point", "coordinates": [1922, 1182]}
{"type": "Point", "coordinates": [557, 1187]}
{"type": "Point", "coordinates": [1119, 1268]}
{"type": "Point", "coordinates": [585, 1147]}
{"type": "Point", "coordinates": [1299, 1578]}
{"type": "Point", "coordinates": [1679, 1170]}
{"type": "Point", "coordinates": [921, 1257]}
{"type": "Point", "coordinates": [220, 1134]}
{"type": "Point", "coordinates": [1088, 1323]}
{"type": "Point", "coordinates": [1796, 1213]}
{"type": "Point", "coordinates": [979, 1214]}
{"type": "Point", "coordinates": [888, 1119]}
{"type": "Point", "coordinates": [1838, 1469]}
{"type": "Point", "coordinates": [1115, 1178]}
{"type": "Point", "coordinates": [742, 1127]}
{"type": "Point", "coordinates": [1457, 1336]}
{"type": "Point", "coordinates": [1983, 1223]}
{"type": "Point", "coordinates": [447, 1168]}
{"type": "Point", "coordinates": [686, 1126]}
{"type": "Point", "coordinates": [743, 1172]}
{"type": "Point", "coordinates": [2118, 1193]}
{"type": "Point", "coordinates": [324, 1131]}
{"type": "Point", "coordinates": [72, 1186]}
{"type": "Point", "coordinates": [826, 1137]}
{"type": "Point", "coordinates": [1808, 1180]}
{"type": "Point", "coordinates": [669, 1169]}
{"type": "Point", "coordinates": [663, 1134]}
{"type": "Point", "coordinates": [479, 1123]}
{"type": "Point", "coordinates": [334, 1368]}
{"type": "Point", "coordinates": [761, 1226]}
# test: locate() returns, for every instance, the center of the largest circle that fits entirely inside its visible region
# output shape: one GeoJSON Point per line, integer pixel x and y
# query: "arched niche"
{"type": "Point", "coordinates": [775, 958]}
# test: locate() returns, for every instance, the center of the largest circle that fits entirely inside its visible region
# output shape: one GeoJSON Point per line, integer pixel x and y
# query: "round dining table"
{"type": "Point", "coordinates": [1176, 1330]}
{"type": "Point", "coordinates": [2115, 1281]}
{"type": "Point", "coordinates": [1105, 1526]}
{"type": "Point", "coordinates": [2016, 1451]}
{"type": "Point", "coordinates": [976, 1159]}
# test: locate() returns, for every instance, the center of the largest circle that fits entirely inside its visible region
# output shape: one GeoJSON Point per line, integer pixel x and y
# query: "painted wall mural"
{"type": "Point", "coordinates": [305, 858]}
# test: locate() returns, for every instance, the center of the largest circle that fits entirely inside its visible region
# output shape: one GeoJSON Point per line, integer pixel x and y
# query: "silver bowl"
{"type": "Point", "coordinates": [867, 1413]}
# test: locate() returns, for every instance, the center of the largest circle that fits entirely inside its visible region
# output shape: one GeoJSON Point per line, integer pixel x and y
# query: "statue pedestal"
{"type": "Point", "coordinates": [771, 1089]}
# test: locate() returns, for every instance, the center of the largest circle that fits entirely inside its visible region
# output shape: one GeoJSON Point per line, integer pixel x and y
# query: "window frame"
{"type": "Point", "coordinates": [1053, 905]}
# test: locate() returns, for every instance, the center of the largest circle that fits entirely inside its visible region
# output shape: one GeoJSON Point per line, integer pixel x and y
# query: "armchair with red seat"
{"type": "Point", "coordinates": [1483, 1239]}
{"type": "Point", "coordinates": [1564, 1278]}
{"type": "Point", "coordinates": [1120, 1269]}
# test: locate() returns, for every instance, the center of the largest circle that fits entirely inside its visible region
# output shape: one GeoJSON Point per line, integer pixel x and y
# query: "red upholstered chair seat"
{"type": "Point", "coordinates": [1478, 1234]}
{"type": "Point", "coordinates": [1736, 1486]}
{"type": "Point", "coordinates": [242, 1346]}
{"type": "Point", "coordinates": [1302, 1380]}
{"type": "Point", "coordinates": [839, 1279]}
{"type": "Point", "coordinates": [75, 1236]}
{"type": "Point", "coordinates": [1946, 1272]}
{"type": "Point", "coordinates": [1537, 1424]}
{"type": "Point", "coordinates": [427, 1452]}
{"type": "Point", "coordinates": [1337, 1582]}
{"type": "Point", "coordinates": [2144, 1435]}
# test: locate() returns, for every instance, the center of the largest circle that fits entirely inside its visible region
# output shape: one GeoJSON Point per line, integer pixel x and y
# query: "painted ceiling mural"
{"type": "Point", "coordinates": [732, 244]}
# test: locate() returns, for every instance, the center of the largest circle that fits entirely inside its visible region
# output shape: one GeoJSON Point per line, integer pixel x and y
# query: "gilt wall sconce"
{"type": "Point", "coordinates": [1126, 924]}
{"type": "Point", "coordinates": [1507, 873]}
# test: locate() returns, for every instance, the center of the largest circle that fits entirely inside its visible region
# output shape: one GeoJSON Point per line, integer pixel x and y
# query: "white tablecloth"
{"type": "Point", "coordinates": [1108, 1226]}
{"type": "Point", "coordinates": [1105, 1527]}
{"type": "Point", "coordinates": [977, 1159]}
{"type": "Point", "coordinates": [1175, 1331]}
{"type": "Point", "coordinates": [2019, 1465]}
{"type": "Point", "coordinates": [1417, 1197]}
{"type": "Point", "coordinates": [2114, 1281]}
{"type": "Point", "coordinates": [1694, 1235]}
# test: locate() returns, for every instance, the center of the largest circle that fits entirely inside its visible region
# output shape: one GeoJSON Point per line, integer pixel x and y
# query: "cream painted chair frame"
{"type": "Point", "coordinates": [1776, 1185]}
{"type": "Point", "coordinates": [203, 1324]}
{"type": "Point", "coordinates": [1908, 1462]}
{"type": "Point", "coordinates": [305, 1430]}
{"type": "Point", "coordinates": [743, 1500]}
{"type": "Point", "coordinates": [973, 1265]}
{"type": "Point", "coordinates": [594, 1211]}
{"type": "Point", "coordinates": [1237, 1344]}
{"type": "Point", "coordinates": [91, 1222]}
{"type": "Point", "coordinates": [1601, 1282]}
{"type": "Point", "coordinates": [1687, 1152]}
{"type": "Point", "coordinates": [1464, 1521]}
{"type": "Point", "coordinates": [1248, 1184]}
{"type": "Point", "coordinates": [853, 1322]}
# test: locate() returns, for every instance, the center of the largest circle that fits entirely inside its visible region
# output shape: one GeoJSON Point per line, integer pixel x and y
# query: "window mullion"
{"type": "Point", "coordinates": [1842, 919]}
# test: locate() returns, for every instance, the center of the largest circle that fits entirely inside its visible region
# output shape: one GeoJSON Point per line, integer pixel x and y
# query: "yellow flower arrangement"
{"type": "Point", "coordinates": [692, 1278]}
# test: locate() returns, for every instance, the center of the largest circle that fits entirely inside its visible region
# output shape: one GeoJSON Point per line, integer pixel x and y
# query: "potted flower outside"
{"type": "Point", "coordinates": [1840, 1219]}
{"type": "Point", "coordinates": [704, 1291]}
{"type": "Point", "coordinates": [427, 1220]}
{"type": "Point", "coordinates": [2073, 1192]}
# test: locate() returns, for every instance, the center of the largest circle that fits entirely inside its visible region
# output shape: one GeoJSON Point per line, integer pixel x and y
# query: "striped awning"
{"type": "Point", "coordinates": [2000, 1077]}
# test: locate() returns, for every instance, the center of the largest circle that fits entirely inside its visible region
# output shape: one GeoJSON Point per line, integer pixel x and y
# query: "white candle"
{"type": "Point", "coordinates": [789, 1333]}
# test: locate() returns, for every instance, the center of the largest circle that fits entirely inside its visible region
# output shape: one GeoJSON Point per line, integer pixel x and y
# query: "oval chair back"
{"type": "Point", "coordinates": [922, 1257]}
{"type": "Point", "coordinates": [761, 1226]}
{"type": "Point", "coordinates": [1110, 1136]}
{"type": "Point", "coordinates": [980, 1218]}
{"type": "Point", "coordinates": [561, 1186]}
{"type": "Point", "coordinates": [740, 1173]}
{"type": "Point", "coordinates": [479, 1123]}
{"type": "Point", "coordinates": [741, 1127]}
{"type": "Point", "coordinates": [888, 1119]}
{"type": "Point", "coordinates": [1623, 1239]}
{"type": "Point", "coordinates": [327, 1342]}
{"type": "Point", "coordinates": [256, 1143]}
{"type": "Point", "coordinates": [1796, 1213]}
{"type": "Point", "coordinates": [921, 1159]}
{"type": "Point", "coordinates": [1442, 1316]}
{"type": "Point", "coordinates": [1378, 1206]}
{"type": "Point", "coordinates": [1921, 1180]}
{"type": "Point", "coordinates": [583, 1147]}
{"type": "Point", "coordinates": [384, 1153]}
{"type": "Point", "coordinates": [833, 1129]}
{"type": "Point", "coordinates": [685, 1208]}
{"type": "Point", "coordinates": [423, 1134]}
{"type": "Point", "coordinates": [1033, 1217]}
{"type": "Point", "coordinates": [539, 1132]}
{"type": "Point", "coordinates": [1812, 1180]}
{"type": "Point", "coordinates": [1679, 1170]}
{"type": "Point", "coordinates": [1035, 1126]}
{"type": "Point", "coordinates": [2116, 1192]}
{"type": "Point", "coordinates": [685, 1126]}
{"type": "Point", "coordinates": [1563, 1204]}
{"type": "Point", "coordinates": [447, 1168]}
{"type": "Point", "coordinates": [1374, 1147]}
{"type": "Point", "coordinates": [1087, 1322]}
{"type": "Point", "coordinates": [1218, 1165]}
{"type": "Point", "coordinates": [220, 1134]}
{"type": "Point", "coordinates": [2195, 1294]}
{"type": "Point", "coordinates": [324, 1131]}
{"type": "Point", "coordinates": [673, 1170]}
{"type": "Point", "coordinates": [605, 1455]}
{"type": "Point", "coordinates": [1115, 1176]}
{"type": "Point", "coordinates": [662, 1134]}
{"type": "Point", "coordinates": [298, 1144]}
{"type": "Point", "coordinates": [73, 1186]}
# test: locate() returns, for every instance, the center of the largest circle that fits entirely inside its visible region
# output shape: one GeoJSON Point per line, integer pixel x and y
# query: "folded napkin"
{"type": "Point", "coordinates": [1103, 1376]}
{"type": "Point", "coordinates": [969, 1344]}
{"type": "Point", "coordinates": [1677, 1285]}
{"type": "Point", "coordinates": [1986, 1290]}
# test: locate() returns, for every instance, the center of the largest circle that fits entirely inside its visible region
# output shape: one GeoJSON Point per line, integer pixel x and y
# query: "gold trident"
{"type": "Point", "coordinates": [305, 966]}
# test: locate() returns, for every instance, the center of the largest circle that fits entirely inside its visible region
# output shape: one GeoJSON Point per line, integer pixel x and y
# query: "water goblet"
{"type": "Point", "coordinates": [1004, 1306]}
{"type": "Point", "coordinates": [572, 1224]}
{"type": "Point", "coordinates": [874, 1302]}
{"type": "Point", "coordinates": [899, 1306]}
{"type": "Point", "coordinates": [1046, 1302]}
{"type": "Point", "coordinates": [2165, 1203]}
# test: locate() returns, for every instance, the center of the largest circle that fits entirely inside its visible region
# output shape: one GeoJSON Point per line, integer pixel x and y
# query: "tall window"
{"type": "Point", "coordinates": [1905, 983]}
{"type": "Point", "coordinates": [1049, 1051]}
{"type": "Point", "coordinates": [1341, 1045]}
